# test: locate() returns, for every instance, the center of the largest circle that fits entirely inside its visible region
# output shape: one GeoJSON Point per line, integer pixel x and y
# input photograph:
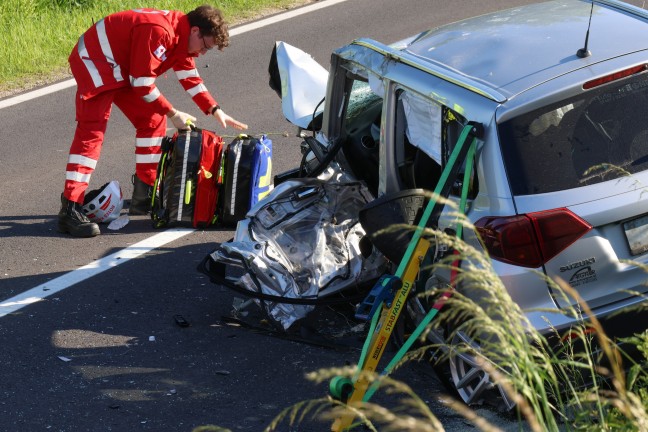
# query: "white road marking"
{"type": "Point", "coordinates": [37, 93]}
{"type": "Point", "coordinates": [54, 286]}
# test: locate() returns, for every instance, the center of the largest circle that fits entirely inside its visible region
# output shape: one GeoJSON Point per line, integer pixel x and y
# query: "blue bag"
{"type": "Point", "coordinates": [247, 176]}
{"type": "Point", "coordinates": [261, 170]}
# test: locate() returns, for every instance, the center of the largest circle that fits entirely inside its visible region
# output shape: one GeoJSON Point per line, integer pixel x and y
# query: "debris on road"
{"type": "Point", "coordinates": [119, 223]}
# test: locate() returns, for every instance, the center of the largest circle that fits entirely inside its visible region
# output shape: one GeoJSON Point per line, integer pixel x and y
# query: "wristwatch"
{"type": "Point", "coordinates": [216, 108]}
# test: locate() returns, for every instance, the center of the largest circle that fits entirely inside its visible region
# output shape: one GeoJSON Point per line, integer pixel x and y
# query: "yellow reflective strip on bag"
{"type": "Point", "coordinates": [187, 197]}
{"type": "Point", "coordinates": [266, 179]}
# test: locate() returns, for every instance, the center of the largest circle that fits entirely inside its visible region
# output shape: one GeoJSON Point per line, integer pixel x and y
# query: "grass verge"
{"type": "Point", "coordinates": [36, 36]}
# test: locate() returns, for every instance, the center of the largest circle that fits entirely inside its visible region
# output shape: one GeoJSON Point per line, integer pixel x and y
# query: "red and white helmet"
{"type": "Point", "coordinates": [104, 204]}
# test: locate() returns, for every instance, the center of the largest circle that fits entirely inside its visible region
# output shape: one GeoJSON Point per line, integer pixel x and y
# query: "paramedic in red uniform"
{"type": "Point", "coordinates": [117, 61]}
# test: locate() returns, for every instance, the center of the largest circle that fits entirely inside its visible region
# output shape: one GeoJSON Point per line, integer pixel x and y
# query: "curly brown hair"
{"type": "Point", "coordinates": [210, 21]}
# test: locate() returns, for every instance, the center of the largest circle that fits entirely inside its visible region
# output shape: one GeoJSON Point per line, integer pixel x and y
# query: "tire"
{"type": "Point", "coordinates": [468, 380]}
{"type": "Point", "coordinates": [452, 360]}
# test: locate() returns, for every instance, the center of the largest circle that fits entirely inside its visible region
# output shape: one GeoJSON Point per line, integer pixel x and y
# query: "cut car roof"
{"type": "Point", "coordinates": [513, 50]}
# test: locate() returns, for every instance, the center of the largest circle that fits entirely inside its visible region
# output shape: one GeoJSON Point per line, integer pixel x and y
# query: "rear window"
{"type": "Point", "coordinates": [598, 136]}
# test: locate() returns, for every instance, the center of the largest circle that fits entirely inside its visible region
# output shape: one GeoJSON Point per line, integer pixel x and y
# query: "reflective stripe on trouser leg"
{"type": "Point", "coordinates": [147, 156]}
{"type": "Point", "coordinates": [150, 129]}
{"type": "Point", "coordinates": [92, 117]}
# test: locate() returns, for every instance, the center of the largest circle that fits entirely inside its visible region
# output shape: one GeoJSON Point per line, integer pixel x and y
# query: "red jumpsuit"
{"type": "Point", "coordinates": [117, 61]}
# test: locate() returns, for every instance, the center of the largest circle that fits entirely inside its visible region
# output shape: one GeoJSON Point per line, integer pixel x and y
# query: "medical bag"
{"type": "Point", "coordinates": [247, 176]}
{"type": "Point", "coordinates": [188, 180]}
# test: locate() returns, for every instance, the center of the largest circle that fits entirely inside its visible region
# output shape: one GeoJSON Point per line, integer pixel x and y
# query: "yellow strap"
{"type": "Point", "coordinates": [380, 339]}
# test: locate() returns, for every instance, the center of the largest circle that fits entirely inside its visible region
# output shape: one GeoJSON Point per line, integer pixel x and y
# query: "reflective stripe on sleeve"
{"type": "Point", "coordinates": [82, 160]}
{"type": "Point", "coordinates": [193, 73]}
{"type": "Point", "coordinates": [142, 81]}
{"type": "Point", "coordinates": [197, 89]}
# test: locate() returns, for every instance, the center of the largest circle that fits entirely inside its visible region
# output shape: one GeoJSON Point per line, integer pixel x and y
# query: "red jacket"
{"type": "Point", "coordinates": [132, 48]}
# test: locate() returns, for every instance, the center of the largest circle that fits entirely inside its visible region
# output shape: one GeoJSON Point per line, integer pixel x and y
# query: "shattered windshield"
{"type": "Point", "coordinates": [361, 97]}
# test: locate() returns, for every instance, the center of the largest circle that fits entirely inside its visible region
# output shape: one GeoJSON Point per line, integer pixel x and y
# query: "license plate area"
{"type": "Point", "coordinates": [636, 231]}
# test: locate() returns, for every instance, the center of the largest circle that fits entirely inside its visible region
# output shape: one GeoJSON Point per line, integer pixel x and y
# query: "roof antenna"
{"type": "Point", "coordinates": [584, 52]}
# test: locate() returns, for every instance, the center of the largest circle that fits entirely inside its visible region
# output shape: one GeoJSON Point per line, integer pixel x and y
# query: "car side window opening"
{"type": "Point", "coordinates": [426, 133]}
{"type": "Point", "coordinates": [362, 132]}
{"type": "Point", "coordinates": [597, 136]}
{"type": "Point", "coordinates": [417, 141]}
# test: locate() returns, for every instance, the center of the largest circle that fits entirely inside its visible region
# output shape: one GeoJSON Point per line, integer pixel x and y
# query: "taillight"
{"type": "Point", "coordinates": [615, 76]}
{"type": "Point", "coordinates": [532, 239]}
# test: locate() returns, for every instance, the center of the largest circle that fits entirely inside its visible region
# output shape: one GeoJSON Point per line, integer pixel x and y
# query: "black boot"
{"type": "Point", "coordinates": [141, 201]}
{"type": "Point", "coordinates": [72, 220]}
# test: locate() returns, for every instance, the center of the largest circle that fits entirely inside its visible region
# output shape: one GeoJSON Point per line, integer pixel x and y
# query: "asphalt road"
{"type": "Point", "coordinates": [105, 354]}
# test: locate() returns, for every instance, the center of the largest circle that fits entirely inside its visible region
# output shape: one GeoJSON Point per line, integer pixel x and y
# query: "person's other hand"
{"type": "Point", "coordinates": [226, 120]}
{"type": "Point", "coordinates": [180, 119]}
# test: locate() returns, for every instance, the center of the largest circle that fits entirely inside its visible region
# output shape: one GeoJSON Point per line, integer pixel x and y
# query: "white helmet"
{"type": "Point", "coordinates": [104, 204]}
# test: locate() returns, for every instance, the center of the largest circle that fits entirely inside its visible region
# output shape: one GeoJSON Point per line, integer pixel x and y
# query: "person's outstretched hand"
{"type": "Point", "coordinates": [226, 120]}
{"type": "Point", "coordinates": [180, 119]}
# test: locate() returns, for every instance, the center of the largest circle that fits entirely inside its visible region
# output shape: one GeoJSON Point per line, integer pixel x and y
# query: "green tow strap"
{"type": "Point", "coordinates": [468, 130]}
{"type": "Point", "coordinates": [433, 312]}
{"type": "Point", "coordinates": [454, 156]}
{"type": "Point", "coordinates": [367, 343]}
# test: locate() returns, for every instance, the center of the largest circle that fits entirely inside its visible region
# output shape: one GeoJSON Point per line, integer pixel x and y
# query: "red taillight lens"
{"type": "Point", "coordinates": [615, 76]}
{"type": "Point", "coordinates": [531, 239]}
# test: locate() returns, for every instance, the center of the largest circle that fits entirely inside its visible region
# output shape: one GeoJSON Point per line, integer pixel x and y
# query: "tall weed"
{"type": "Point", "coordinates": [580, 380]}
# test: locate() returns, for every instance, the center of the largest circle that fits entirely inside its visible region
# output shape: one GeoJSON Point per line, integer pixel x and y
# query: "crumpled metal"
{"type": "Point", "coordinates": [302, 242]}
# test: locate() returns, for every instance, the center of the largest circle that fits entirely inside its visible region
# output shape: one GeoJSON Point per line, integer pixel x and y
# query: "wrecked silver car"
{"type": "Point", "coordinates": [301, 243]}
{"type": "Point", "coordinates": [542, 192]}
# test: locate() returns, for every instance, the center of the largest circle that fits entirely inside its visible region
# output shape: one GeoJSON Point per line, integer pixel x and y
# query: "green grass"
{"type": "Point", "coordinates": [556, 386]}
{"type": "Point", "coordinates": [36, 36]}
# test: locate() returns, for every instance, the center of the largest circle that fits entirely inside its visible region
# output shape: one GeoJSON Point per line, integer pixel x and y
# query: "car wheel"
{"type": "Point", "coordinates": [472, 383]}
{"type": "Point", "coordinates": [453, 355]}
